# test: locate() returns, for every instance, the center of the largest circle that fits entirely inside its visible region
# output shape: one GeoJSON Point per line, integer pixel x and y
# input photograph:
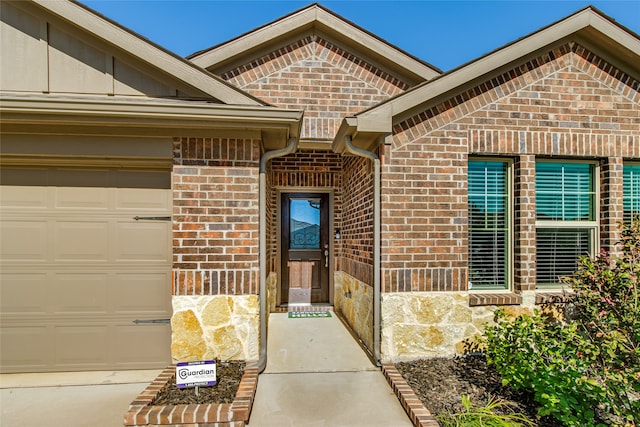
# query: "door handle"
{"type": "Point", "coordinates": [326, 258]}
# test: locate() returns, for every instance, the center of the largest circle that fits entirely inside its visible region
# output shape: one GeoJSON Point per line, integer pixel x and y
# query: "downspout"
{"type": "Point", "coordinates": [291, 147]}
{"type": "Point", "coordinates": [350, 148]}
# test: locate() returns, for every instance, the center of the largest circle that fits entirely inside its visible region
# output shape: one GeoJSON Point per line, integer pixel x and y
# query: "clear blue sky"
{"type": "Point", "coordinates": [444, 33]}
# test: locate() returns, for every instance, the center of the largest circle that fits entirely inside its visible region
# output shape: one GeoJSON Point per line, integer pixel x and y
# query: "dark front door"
{"type": "Point", "coordinates": [305, 248]}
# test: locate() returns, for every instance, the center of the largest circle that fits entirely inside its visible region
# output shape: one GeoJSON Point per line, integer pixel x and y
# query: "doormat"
{"type": "Point", "coordinates": [307, 314]}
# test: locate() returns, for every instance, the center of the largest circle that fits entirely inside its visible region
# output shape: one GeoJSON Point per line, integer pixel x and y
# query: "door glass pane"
{"type": "Point", "coordinates": [304, 225]}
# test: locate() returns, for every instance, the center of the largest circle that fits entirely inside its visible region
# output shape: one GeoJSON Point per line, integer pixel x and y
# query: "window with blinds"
{"type": "Point", "coordinates": [631, 191]}
{"type": "Point", "coordinates": [488, 225]}
{"type": "Point", "coordinates": [566, 223]}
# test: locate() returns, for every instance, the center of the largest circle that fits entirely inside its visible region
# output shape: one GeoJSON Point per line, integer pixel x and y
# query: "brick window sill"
{"type": "Point", "coordinates": [476, 300]}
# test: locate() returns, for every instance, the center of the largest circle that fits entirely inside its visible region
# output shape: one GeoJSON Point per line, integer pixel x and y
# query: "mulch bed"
{"type": "Point", "coordinates": [228, 376]}
{"type": "Point", "coordinates": [439, 383]}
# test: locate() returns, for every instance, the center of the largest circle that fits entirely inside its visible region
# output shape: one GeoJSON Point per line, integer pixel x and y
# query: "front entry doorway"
{"type": "Point", "coordinates": [305, 248]}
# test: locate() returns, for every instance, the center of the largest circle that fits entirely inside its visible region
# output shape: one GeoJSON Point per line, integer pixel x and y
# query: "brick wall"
{"type": "Point", "coordinates": [611, 193]}
{"type": "Point", "coordinates": [319, 77]}
{"type": "Point", "coordinates": [215, 218]}
{"type": "Point", "coordinates": [424, 210]}
{"type": "Point", "coordinates": [356, 241]}
{"type": "Point", "coordinates": [524, 223]}
{"type": "Point", "coordinates": [566, 103]}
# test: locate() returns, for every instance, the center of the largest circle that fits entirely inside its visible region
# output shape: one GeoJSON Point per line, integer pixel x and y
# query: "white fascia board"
{"type": "Point", "coordinates": [182, 70]}
{"type": "Point", "coordinates": [422, 94]}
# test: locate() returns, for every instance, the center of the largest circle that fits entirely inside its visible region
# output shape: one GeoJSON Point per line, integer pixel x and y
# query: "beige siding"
{"type": "Point", "coordinates": [24, 51]}
{"type": "Point", "coordinates": [40, 54]}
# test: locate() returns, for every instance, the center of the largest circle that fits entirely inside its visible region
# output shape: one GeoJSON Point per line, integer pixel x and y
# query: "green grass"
{"type": "Point", "coordinates": [485, 416]}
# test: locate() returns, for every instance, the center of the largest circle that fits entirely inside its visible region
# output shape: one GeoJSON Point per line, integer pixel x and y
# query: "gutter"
{"type": "Point", "coordinates": [291, 147]}
{"type": "Point", "coordinates": [350, 148]}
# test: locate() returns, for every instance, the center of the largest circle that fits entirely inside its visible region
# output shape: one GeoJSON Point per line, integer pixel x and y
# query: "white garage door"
{"type": "Point", "coordinates": [77, 270]}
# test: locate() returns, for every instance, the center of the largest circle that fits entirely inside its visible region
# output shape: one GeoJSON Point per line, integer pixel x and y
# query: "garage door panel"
{"type": "Point", "coordinates": [13, 197]}
{"type": "Point", "coordinates": [143, 241]}
{"type": "Point", "coordinates": [24, 293]}
{"type": "Point", "coordinates": [82, 241]}
{"type": "Point", "coordinates": [24, 241]}
{"type": "Point", "coordinates": [138, 296]}
{"type": "Point", "coordinates": [80, 293]}
{"type": "Point", "coordinates": [141, 345]}
{"type": "Point", "coordinates": [82, 346]}
{"type": "Point", "coordinates": [83, 198]}
{"type": "Point", "coordinates": [152, 200]}
{"type": "Point", "coordinates": [26, 348]}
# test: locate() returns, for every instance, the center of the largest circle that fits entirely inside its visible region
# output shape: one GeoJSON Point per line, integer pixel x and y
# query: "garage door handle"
{"type": "Point", "coordinates": [137, 321]}
{"type": "Point", "coordinates": [152, 218]}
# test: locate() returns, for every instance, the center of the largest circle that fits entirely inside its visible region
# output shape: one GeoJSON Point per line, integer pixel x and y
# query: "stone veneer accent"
{"type": "Point", "coordinates": [423, 324]}
{"type": "Point", "coordinates": [354, 300]}
{"type": "Point", "coordinates": [209, 327]}
{"type": "Point", "coordinates": [142, 411]}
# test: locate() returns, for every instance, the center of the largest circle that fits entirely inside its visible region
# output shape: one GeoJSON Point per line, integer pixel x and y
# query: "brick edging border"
{"type": "Point", "coordinates": [419, 415]}
{"type": "Point", "coordinates": [142, 412]}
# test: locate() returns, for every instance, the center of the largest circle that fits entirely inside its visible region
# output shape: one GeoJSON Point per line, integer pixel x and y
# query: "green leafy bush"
{"type": "Point", "coordinates": [583, 366]}
{"type": "Point", "coordinates": [486, 416]}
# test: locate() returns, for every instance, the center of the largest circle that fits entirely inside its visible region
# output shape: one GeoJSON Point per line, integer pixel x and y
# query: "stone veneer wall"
{"type": "Point", "coordinates": [215, 326]}
{"type": "Point", "coordinates": [354, 299]}
{"type": "Point", "coordinates": [434, 324]}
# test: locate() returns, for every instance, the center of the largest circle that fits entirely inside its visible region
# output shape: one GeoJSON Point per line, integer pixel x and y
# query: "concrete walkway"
{"type": "Point", "coordinates": [318, 376]}
{"type": "Point", "coordinates": [70, 399]}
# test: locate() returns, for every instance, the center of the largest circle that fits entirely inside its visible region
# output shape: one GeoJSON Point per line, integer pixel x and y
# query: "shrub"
{"type": "Point", "coordinates": [585, 365]}
{"type": "Point", "coordinates": [484, 416]}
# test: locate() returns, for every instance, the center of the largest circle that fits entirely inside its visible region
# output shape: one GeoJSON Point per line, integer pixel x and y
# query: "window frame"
{"type": "Point", "coordinates": [624, 195]}
{"type": "Point", "coordinates": [593, 226]}
{"type": "Point", "coordinates": [509, 240]}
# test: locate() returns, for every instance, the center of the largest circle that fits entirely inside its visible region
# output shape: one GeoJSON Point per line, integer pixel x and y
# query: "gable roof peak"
{"type": "Point", "coordinates": [588, 27]}
{"type": "Point", "coordinates": [314, 19]}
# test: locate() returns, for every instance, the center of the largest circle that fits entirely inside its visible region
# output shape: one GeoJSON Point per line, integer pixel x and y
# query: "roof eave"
{"type": "Point", "coordinates": [145, 117]}
{"type": "Point", "coordinates": [365, 136]}
{"type": "Point", "coordinates": [586, 26]}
